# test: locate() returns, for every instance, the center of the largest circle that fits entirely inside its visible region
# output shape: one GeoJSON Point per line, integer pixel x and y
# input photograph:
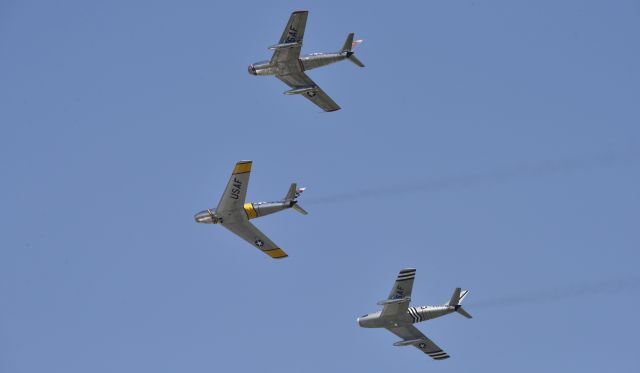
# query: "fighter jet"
{"type": "Point", "coordinates": [234, 214]}
{"type": "Point", "coordinates": [287, 65]}
{"type": "Point", "coordinates": [398, 318]}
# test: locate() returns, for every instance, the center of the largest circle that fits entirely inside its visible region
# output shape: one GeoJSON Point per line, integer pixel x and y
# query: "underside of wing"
{"type": "Point", "coordinates": [257, 239]}
{"type": "Point", "coordinates": [400, 296]}
{"type": "Point", "coordinates": [231, 205]}
{"type": "Point", "coordinates": [290, 44]}
{"type": "Point", "coordinates": [412, 336]}
{"type": "Point", "coordinates": [306, 87]}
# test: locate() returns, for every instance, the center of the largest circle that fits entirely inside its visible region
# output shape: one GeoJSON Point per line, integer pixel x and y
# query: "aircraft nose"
{"type": "Point", "coordinates": [205, 217]}
{"type": "Point", "coordinates": [358, 320]}
{"type": "Point", "coordinates": [252, 70]}
{"type": "Point", "coordinates": [200, 217]}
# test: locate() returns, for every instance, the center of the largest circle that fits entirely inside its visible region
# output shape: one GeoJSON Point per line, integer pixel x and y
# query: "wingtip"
{"type": "Point", "coordinates": [276, 253]}
{"type": "Point", "coordinates": [242, 167]}
{"type": "Point", "coordinates": [299, 11]}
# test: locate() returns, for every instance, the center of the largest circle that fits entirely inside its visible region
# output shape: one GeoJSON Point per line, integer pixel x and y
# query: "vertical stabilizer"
{"type": "Point", "coordinates": [291, 193]}
{"type": "Point", "coordinates": [347, 48]}
{"type": "Point", "coordinates": [456, 298]}
{"type": "Point", "coordinates": [348, 44]}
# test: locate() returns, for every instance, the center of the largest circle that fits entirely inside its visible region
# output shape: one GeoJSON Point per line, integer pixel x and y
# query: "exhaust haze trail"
{"type": "Point", "coordinates": [490, 177]}
{"type": "Point", "coordinates": [608, 287]}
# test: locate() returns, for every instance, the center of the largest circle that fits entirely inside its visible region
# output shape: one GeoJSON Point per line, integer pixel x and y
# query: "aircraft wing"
{"type": "Point", "coordinates": [419, 341]}
{"type": "Point", "coordinates": [251, 234]}
{"type": "Point", "coordinates": [300, 80]}
{"type": "Point", "coordinates": [292, 35]}
{"type": "Point", "coordinates": [231, 206]}
{"type": "Point", "coordinates": [401, 290]}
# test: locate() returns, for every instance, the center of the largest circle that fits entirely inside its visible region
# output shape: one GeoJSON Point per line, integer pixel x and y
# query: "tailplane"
{"type": "Point", "coordinates": [292, 196]}
{"type": "Point", "coordinates": [347, 49]}
{"type": "Point", "coordinates": [456, 300]}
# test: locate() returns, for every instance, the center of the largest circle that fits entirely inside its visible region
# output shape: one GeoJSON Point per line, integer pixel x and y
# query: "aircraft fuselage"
{"type": "Point", "coordinates": [252, 210]}
{"type": "Point", "coordinates": [304, 63]}
{"type": "Point", "coordinates": [412, 316]}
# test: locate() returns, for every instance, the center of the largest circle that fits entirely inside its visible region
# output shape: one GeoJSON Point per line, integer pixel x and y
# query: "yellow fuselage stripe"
{"type": "Point", "coordinates": [251, 212]}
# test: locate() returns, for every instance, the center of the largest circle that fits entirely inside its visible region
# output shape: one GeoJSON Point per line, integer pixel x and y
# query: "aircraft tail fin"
{"type": "Point", "coordinates": [293, 193]}
{"type": "Point", "coordinates": [456, 299]}
{"type": "Point", "coordinates": [347, 48]}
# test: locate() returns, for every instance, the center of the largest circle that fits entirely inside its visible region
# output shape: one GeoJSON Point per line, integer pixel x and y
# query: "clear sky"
{"type": "Point", "coordinates": [492, 145]}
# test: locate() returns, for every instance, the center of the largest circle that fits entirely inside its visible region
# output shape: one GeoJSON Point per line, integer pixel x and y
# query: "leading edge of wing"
{"type": "Point", "coordinates": [402, 289]}
{"type": "Point", "coordinates": [290, 43]}
{"type": "Point", "coordinates": [256, 238]}
{"type": "Point", "coordinates": [294, 30]}
{"type": "Point", "coordinates": [232, 199]}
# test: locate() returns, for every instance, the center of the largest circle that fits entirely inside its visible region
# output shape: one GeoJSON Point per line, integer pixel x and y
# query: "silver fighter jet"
{"type": "Point", "coordinates": [287, 64]}
{"type": "Point", "coordinates": [398, 318]}
{"type": "Point", "coordinates": [234, 214]}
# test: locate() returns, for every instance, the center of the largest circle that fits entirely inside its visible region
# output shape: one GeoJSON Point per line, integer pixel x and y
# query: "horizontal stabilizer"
{"type": "Point", "coordinates": [464, 313]}
{"type": "Point", "coordinates": [300, 209]}
{"type": "Point", "coordinates": [355, 60]}
{"type": "Point", "coordinates": [394, 301]}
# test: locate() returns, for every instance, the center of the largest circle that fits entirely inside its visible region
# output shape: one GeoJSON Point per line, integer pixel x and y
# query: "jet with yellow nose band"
{"type": "Point", "coordinates": [234, 214]}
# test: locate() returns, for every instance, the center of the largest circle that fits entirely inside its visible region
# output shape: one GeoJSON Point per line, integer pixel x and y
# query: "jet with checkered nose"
{"type": "Point", "coordinates": [398, 318]}
{"type": "Point", "coordinates": [289, 66]}
{"type": "Point", "coordinates": [234, 214]}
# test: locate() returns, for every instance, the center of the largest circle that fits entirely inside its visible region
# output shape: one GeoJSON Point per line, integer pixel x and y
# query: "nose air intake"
{"type": "Point", "coordinates": [206, 217]}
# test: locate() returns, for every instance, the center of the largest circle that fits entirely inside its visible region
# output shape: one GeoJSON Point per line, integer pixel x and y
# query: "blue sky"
{"type": "Point", "coordinates": [492, 145]}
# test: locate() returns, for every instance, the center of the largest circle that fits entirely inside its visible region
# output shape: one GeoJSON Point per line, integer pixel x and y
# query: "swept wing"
{"type": "Point", "coordinates": [414, 337]}
{"type": "Point", "coordinates": [231, 205]}
{"type": "Point", "coordinates": [400, 296]}
{"type": "Point", "coordinates": [300, 81]}
{"type": "Point", "coordinates": [288, 49]}
{"type": "Point", "coordinates": [251, 234]}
